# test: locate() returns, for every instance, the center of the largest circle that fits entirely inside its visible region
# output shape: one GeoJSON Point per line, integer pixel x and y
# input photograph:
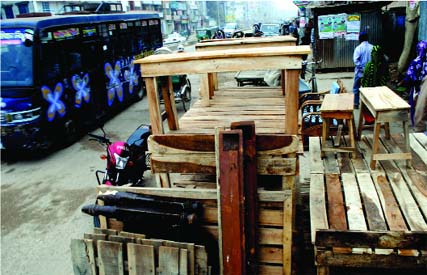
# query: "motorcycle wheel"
{"type": "Point", "coordinates": [186, 99]}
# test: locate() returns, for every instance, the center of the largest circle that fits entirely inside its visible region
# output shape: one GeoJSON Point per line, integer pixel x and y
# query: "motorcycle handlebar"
{"type": "Point", "coordinates": [99, 138]}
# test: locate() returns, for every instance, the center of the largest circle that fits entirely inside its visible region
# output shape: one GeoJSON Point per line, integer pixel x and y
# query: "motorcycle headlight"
{"type": "Point", "coordinates": [121, 161]}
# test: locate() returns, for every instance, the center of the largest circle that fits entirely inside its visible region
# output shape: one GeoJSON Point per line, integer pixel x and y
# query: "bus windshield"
{"type": "Point", "coordinates": [16, 58]}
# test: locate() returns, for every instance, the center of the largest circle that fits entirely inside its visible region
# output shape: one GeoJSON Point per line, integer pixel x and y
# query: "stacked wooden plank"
{"type": "Point", "coordinates": [363, 217]}
{"type": "Point", "coordinates": [275, 215]}
{"type": "Point", "coordinates": [111, 252]}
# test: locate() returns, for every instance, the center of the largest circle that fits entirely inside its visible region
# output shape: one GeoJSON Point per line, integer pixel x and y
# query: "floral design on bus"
{"type": "Point", "coordinates": [54, 99]}
{"type": "Point", "coordinates": [132, 77]}
{"type": "Point", "coordinates": [115, 85]}
{"type": "Point", "coordinates": [81, 86]}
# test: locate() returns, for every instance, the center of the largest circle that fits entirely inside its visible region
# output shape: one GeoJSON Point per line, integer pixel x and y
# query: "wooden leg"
{"type": "Point", "coordinates": [359, 129]}
{"type": "Point", "coordinates": [387, 130]}
{"type": "Point", "coordinates": [351, 134]}
{"type": "Point", "coordinates": [376, 143]}
{"type": "Point", "coordinates": [324, 134]}
{"type": "Point", "coordinates": [406, 137]}
{"type": "Point", "coordinates": [204, 90]}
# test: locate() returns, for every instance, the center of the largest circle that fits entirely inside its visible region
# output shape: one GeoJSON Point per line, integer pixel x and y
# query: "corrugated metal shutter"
{"type": "Point", "coordinates": [338, 52]}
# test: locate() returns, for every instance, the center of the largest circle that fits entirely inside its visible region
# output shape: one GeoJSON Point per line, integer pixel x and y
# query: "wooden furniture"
{"type": "Point", "coordinates": [244, 76]}
{"type": "Point", "coordinates": [189, 146]}
{"type": "Point", "coordinates": [108, 251]}
{"type": "Point", "coordinates": [369, 218]}
{"type": "Point", "coordinates": [248, 42]}
{"type": "Point", "coordinates": [386, 107]}
{"type": "Point", "coordinates": [337, 107]}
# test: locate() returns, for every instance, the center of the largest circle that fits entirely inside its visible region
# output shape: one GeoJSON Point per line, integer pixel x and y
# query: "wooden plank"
{"type": "Point", "coordinates": [198, 194]}
{"type": "Point", "coordinates": [371, 261]}
{"type": "Point", "coordinates": [407, 203]}
{"type": "Point", "coordinates": [231, 60]}
{"type": "Point", "coordinates": [141, 259]}
{"type": "Point", "coordinates": [250, 191]}
{"type": "Point", "coordinates": [373, 210]}
{"type": "Point", "coordinates": [154, 105]}
{"type": "Point", "coordinates": [83, 257]}
{"type": "Point", "coordinates": [189, 248]}
{"type": "Point", "coordinates": [201, 260]}
{"type": "Point", "coordinates": [418, 148]}
{"type": "Point", "coordinates": [110, 258]}
{"type": "Point", "coordinates": [291, 101]}
{"type": "Point", "coordinates": [356, 218]}
{"type": "Point", "coordinates": [132, 235]}
{"type": "Point", "coordinates": [382, 99]}
{"type": "Point", "coordinates": [204, 90]}
{"type": "Point", "coordinates": [336, 210]}
{"type": "Point", "coordinates": [121, 239]}
{"type": "Point", "coordinates": [270, 254]}
{"type": "Point", "coordinates": [392, 212]}
{"type": "Point", "coordinates": [105, 231]}
{"type": "Point", "coordinates": [337, 103]}
{"type": "Point", "coordinates": [316, 164]}
{"type": "Point", "coordinates": [421, 138]}
{"type": "Point", "coordinates": [183, 263]}
{"type": "Point", "coordinates": [231, 197]}
{"type": "Point", "coordinates": [169, 101]}
{"type": "Point", "coordinates": [270, 270]}
{"type": "Point", "coordinates": [318, 216]}
{"type": "Point", "coordinates": [288, 221]}
{"type": "Point", "coordinates": [378, 239]}
{"type": "Point", "coordinates": [94, 236]}
{"type": "Point", "coordinates": [168, 260]}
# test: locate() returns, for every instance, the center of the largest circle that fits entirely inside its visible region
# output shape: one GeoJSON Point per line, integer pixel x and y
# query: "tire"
{"type": "Point", "coordinates": [186, 99]}
{"type": "Point", "coordinates": [71, 132]}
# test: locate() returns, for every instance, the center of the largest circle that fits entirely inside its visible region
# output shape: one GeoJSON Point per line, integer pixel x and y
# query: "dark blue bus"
{"type": "Point", "coordinates": [62, 74]}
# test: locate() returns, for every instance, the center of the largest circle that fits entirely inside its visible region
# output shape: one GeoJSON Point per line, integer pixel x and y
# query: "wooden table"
{"type": "Point", "coordinates": [386, 106]}
{"type": "Point", "coordinates": [337, 106]}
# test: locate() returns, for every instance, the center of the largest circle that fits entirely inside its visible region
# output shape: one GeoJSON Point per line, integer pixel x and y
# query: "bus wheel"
{"type": "Point", "coordinates": [71, 131]}
{"type": "Point", "coordinates": [140, 94]}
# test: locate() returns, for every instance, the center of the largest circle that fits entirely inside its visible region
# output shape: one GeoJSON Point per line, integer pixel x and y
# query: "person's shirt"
{"type": "Point", "coordinates": [361, 56]}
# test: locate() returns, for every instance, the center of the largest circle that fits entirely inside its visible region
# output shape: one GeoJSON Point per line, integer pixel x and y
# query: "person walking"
{"type": "Point", "coordinates": [416, 77]}
{"type": "Point", "coordinates": [376, 73]}
{"type": "Point", "coordinates": [361, 56]}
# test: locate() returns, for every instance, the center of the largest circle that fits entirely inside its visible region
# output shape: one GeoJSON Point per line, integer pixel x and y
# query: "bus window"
{"type": "Point", "coordinates": [155, 34]}
{"type": "Point", "coordinates": [16, 58]}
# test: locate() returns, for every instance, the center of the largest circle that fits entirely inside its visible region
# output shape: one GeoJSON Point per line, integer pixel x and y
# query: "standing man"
{"type": "Point", "coordinates": [361, 56]}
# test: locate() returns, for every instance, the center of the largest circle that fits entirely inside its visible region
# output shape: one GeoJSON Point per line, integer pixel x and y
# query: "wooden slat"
{"type": "Point", "coordinates": [83, 257]}
{"type": "Point", "coordinates": [141, 259]}
{"type": "Point", "coordinates": [373, 210]}
{"type": "Point", "coordinates": [189, 248]}
{"type": "Point", "coordinates": [316, 164]}
{"type": "Point", "coordinates": [336, 210]}
{"type": "Point", "coordinates": [199, 194]}
{"type": "Point", "coordinates": [356, 218]}
{"type": "Point", "coordinates": [201, 260]}
{"type": "Point", "coordinates": [379, 239]}
{"type": "Point", "coordinates": [110, 258]}
{"type": "Point", "coordinates": [183, 262]}
{"type": "Point", "coordinates": [318, 216]}
{"type": "Point", "coordinates": [291, 100]}
{"type": "Point", "coordinates": [168, 260]}
{"type": "Point", "coordinates": [229, 160]}
{"type": "Point", "coordinates": [419, 149]}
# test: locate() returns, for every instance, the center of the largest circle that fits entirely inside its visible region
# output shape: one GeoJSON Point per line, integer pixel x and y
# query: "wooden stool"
{"type": "Point", "coordinates": [338, 106]}
{"type": "Point", "coordinates": [386, 106]}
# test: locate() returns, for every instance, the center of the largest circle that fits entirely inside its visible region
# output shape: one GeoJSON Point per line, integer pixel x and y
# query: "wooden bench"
{"type": "Point", "coordinates": [369, 218]}
{"type": "Point", "coordinates": [386, 106]}
{"type": "Point", "coordinates": [337, 107]}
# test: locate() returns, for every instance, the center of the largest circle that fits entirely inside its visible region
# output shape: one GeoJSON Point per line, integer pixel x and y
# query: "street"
{"type": "Point", "coordinates": [41, 198]}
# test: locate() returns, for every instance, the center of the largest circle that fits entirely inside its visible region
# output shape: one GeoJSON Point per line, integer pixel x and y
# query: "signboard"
{"type": "Point", "coordinates": [353, 27]}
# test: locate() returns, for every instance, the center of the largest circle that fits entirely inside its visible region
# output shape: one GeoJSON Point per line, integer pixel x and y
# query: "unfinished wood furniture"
{"type": "Point", "coordinates": [245, 76]}
{"type": "Point", "coordinates": [337, 107]}
{"type": "Point", "coordinates": [385, 106]}
{"type": "Point", "coordinates": [189, 146]}
{"type": "Point", "coordinates": [108, 251]}
{"type": "Point", "coordinates": [369, 218]}
{"type": "Point", "coordinates": [248, 42]}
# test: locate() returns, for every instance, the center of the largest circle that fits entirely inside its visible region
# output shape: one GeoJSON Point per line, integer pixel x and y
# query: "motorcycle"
{"type": "Point", "coordinates": [126, 161]}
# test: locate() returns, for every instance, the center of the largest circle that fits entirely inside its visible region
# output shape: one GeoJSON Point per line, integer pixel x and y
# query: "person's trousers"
{"type": "Point", "coordinates": [356, 86]}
